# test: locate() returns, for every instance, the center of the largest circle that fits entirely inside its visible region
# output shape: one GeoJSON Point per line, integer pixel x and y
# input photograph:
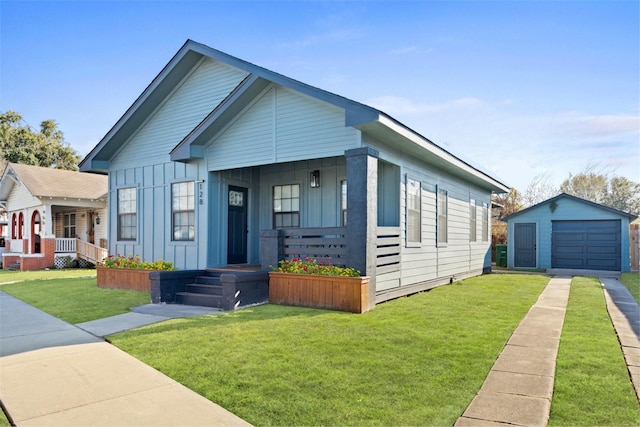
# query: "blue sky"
{"type": "Point", "coordinates": [516, 87]}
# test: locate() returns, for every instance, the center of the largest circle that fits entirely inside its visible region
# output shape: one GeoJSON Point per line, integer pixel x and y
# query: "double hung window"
{"type": "Point", "coordinates": [127, 214]}
{"type": "Point", "coordinates": [286, 206]}
{"type": "Point", "coordinates": [183, 211]}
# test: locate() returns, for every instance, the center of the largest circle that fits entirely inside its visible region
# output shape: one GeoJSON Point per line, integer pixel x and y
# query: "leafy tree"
{"type": "Point", "coordinates": [510, 202]}
{"type": "Point", "coordinates": [538, 190]}
{"type": "Point", "coordinates": [19, 143]}
{"type": "Point", "coordinates": [603, 188]}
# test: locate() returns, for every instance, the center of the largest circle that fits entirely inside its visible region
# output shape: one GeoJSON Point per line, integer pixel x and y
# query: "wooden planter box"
{"type": "Point", "coordinates": [124, 278]}
{"type": "Point", "coordinates": [307, 290]}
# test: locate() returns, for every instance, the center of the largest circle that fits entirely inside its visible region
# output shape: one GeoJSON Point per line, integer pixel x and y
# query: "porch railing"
{"type": "Point", "coordinates": [388, 250]}
{"type": "Point", "coordinates": [85, 250]}
{"type": "Point", "coordinates": [90, 252]}
{"type": "Point", "coordinates": [65, 245]}
{"type": "Point", "coordinates": [325, 244]}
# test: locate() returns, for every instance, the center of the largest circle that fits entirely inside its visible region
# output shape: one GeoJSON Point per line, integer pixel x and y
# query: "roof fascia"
{"type": "Point", "coordinates": [242, 95]}
{"type": "Point", "coordinates": [574, 198]}
{"type": "Point", "coordinates": [436, 150]}
{"type": "Point", "coordinates": [357, 113]}
{"type": "Point", "coordinates": [179, 66]}
{"type": "Point", "coordinates": [8, 181]}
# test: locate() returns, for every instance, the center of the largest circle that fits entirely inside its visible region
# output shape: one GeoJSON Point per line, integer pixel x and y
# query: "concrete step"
{"type": "Point", "coordinates": [202, 300]}
{"type": "Point", "coordinates": [208, 280]}
{"type": "Point", "coordinates": [199, 288]}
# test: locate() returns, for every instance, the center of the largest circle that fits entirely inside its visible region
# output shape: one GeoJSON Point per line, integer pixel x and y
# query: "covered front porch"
{"type": "Point", "coordinates": [55, 236]}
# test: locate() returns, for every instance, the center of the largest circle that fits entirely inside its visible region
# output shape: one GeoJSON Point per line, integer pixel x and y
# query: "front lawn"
{"type": "Point", "coordinates": [10, 276]}
{"type": "Point", "coordinates": [412, 361]}
{"type": "Point", "coordinates": [632, 282]}
{"type": "Point", "coordinates": [592, 385]}
{"type": "Point", "coordinates": [75, 300]}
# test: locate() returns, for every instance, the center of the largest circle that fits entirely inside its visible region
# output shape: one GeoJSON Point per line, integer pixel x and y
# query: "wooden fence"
{"type": "Point", "coordinates": [634, 250]}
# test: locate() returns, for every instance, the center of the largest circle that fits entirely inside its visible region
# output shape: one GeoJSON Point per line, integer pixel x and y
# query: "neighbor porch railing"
{"type": "Point", "coordinates": [65, 245]}
{"type": "Point", "coordinates": [85, 250]}
{"type": "Point", "coordinates": [90, 252]}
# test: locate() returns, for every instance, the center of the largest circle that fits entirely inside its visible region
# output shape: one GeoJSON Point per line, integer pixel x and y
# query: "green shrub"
{"type": "Point", "coordinates": [135, 262]}
{"type": "Point", "coordinates": [312, 266]}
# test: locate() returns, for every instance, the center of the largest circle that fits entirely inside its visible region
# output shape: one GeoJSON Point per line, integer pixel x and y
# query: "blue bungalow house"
{"type": "Point", "coordinates": [568, 232]}
{"type": "Point", "coordinates": [221, 162]}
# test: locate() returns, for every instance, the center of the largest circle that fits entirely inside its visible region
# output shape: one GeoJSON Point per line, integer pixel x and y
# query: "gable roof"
{"type": "Point", "coordinates": [574, 198]}
{"type": "Point", "coordinates": [365, 118]}
{"type": "Point", "coordinates": [58, 183]}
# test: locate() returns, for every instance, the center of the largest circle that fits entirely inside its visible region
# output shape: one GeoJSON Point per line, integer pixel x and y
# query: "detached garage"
{"type": "Point", "coordinates": [568, 232]}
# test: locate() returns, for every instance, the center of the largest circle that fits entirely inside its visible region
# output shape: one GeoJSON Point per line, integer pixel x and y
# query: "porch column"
{"type": "Point", "coordinates": [46, 221]}
{"type": "Point", "coordinates": [362, 213]}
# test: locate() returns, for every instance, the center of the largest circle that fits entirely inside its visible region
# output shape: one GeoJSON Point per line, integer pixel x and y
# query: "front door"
{"type": "Point", "coordinates": [91, 232]}
{"type": "Point", "coordinates": [525, 245]}
{"type": "Point", "coordinates": [237, 226]}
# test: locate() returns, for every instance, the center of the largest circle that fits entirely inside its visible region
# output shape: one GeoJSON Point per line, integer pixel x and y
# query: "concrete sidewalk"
{"type": "Point", "coordinates": [519, 387]}
{"type": "Point", "coordinates": [53, 373]}
{"type": "Point", "coordinates": [625, 316]}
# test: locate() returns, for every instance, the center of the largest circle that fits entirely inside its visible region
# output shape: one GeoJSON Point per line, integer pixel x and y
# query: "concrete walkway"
{"type": "Point", "coordinates": [625, 315]}
{"type": "Point", "coordinates": [54, 373]}
{"type": "Point", "coordinates": [519, 387]}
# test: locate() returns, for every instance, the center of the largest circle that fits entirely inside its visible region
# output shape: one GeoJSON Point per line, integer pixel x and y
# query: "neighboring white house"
{"type": "Point", "coordinates": [220, 162]}
{"type": "Point", "coordinates": [54, 216]}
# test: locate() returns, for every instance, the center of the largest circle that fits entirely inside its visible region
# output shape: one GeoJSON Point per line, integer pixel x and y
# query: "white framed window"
{"type": "Point", "coordinates": [286, 206]}
{"type": "Point", "coordinates": [183, 211]}
{"type": "Point", "coordinates": [343, 202]}
{"type": "Point", "coordinates": [127, 214]}
{"type": "Point", "coordinates": [443, 216]}
{"type": "Point", "coordinates": [473, 221]}
{"type": "Point", "coordinates": [69, 225]}
{"type": "Point", "coordinates": [485, 222]}
{"type": "Point", "coordinates": [414, 212]}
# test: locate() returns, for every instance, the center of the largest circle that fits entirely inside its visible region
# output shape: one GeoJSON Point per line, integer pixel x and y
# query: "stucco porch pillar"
{"type": "Point", "coordinates": [362, 213]}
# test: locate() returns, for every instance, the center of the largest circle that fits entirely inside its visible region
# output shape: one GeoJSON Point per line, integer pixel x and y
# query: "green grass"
{"type": "Point", "coordinates": [632, 282]}
{"type": "Point", "coordinates": [75, 300]}
{"type": "Point", "coordinates": [4, 422]}
{"type": "Point", "coordinates": [592, 385]}
{"type": "Point", "coordinates": [413, 361]}
{"type": "Point", "coordinates": [8, 276]}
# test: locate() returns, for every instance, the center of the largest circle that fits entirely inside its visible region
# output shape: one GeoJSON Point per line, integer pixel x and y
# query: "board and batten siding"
{"type": "Point", "coordinates": [430, 262]}
{"type": "Point", "coordinates": [198, 94]}
{"type": "Point", "coordinates": [281, 126]}
{"type": "Point", "coordinates": [565, 209]}
{"type": "Point", "coordinates": [154, 232]}
{"type": "Point", "coordinates": [319, 207]}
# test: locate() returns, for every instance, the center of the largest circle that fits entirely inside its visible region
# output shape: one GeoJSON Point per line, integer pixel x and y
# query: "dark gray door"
{"type": "Point", "coordinates": [237, 226]}
{"type": "Point", "coordinates": [525, 245]}
{"type": "Point", "coordinates": [588, 245]}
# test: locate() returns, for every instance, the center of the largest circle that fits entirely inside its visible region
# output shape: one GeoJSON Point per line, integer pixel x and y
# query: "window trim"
{"type": "Point", "coordinates": [183, 211]}
{"type": "Point", "coordinates": [408, 236]}
{"type": "Point", "coordinates": [133, 214]}
{"type": "Point", "coordinates": [273, 206]}
{"type": "Point", "coordinates": [69, 227]}
{"type": "Point", "coordinates": [440, 192]}
{"type": "Point", "coordinates": [473, 221]}
{"type": "Point", "coordinates": [343, 198]}
{"type": "Point", "coordinates": [485, 222]}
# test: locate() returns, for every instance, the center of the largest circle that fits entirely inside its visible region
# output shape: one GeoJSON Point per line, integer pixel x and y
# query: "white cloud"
{"type": "Point", "coordinates": [517, 145]}
{"type": "Point", "coordinates": [396, 105]}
